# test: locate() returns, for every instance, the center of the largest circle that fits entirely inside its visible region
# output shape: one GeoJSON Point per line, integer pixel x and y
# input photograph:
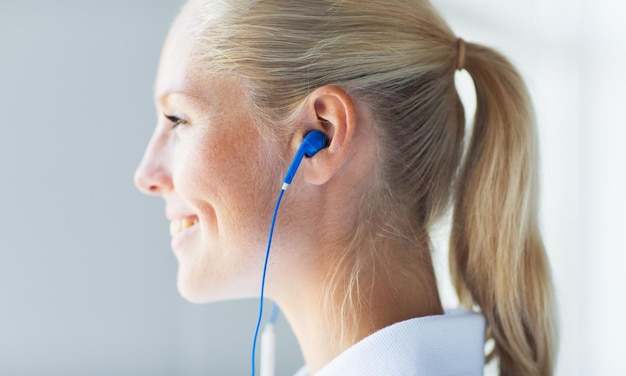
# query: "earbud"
{"type": "Point", "coordinates": [313, 142]}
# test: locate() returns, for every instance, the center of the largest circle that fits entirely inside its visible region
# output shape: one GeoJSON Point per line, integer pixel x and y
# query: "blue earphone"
{"type": "Point", "coordinates": [313, 142]}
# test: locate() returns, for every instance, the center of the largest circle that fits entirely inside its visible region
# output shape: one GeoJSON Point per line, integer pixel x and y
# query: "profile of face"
{"type": "Point", "coordinates": [209, 163]}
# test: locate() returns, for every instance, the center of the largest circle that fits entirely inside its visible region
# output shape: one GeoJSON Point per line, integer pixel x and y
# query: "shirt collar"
{"type": "Point", "coordinates": [449, 344]}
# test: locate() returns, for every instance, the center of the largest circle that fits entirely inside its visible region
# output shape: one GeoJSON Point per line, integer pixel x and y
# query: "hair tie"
{"type": "Point", "coordinates": [460, 54]}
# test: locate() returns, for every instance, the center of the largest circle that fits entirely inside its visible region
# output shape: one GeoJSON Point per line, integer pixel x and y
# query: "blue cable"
{"type": "Point", "coordinates": [267, 256]}
{"type": "Point", "coordinates": [312, 142]}
{"type": "Point", "coordinates": [274, 315]}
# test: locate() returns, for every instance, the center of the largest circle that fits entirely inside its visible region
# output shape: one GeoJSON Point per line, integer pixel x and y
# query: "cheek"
{"type": "Point", "coordinates": [194, 176]}
{"type": "Point", "coordinates": [231, 187]}
{"type": "Point", "coordinates": [228, 179]}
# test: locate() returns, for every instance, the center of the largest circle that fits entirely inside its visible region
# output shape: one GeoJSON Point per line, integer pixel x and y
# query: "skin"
{"type": "Point", "coordinates": [216, 168]}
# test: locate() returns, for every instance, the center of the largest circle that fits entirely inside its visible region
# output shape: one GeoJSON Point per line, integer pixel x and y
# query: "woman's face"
{"type": "Point", "coordinates": [208, 161]}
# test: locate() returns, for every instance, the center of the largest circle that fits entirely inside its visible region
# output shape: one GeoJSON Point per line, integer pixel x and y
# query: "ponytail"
{"type": "Point", "coordinates": [497, 257]}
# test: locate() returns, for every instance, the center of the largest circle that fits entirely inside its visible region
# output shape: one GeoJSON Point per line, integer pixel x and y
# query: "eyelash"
{"type": "Point", "coordinates": [176, 121]}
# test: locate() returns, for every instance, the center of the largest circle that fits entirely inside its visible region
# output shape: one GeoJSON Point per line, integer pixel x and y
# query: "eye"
{"type": "Point", "coordinates": [176, 121]}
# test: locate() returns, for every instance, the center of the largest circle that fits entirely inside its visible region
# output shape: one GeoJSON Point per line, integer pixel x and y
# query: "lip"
{"type": "Point", "coordinates": [180, 241]}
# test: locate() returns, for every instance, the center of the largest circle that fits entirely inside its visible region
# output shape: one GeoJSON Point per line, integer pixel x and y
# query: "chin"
{"type": "Point", "coordinates": [192, 296]}
{"type": "Point", "coordinates": [198, 290]}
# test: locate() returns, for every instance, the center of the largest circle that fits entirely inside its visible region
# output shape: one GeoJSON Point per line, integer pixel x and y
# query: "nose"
{"type": "Point", "coordinates": [153, 176]}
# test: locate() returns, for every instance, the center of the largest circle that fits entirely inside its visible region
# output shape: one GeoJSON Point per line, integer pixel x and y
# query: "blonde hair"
{"type": "Point", "coordinates": [399, 57]}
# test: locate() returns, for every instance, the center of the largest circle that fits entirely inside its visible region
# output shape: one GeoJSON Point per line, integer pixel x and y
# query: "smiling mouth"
{"type": "Point", "coordinates": [179, 225]}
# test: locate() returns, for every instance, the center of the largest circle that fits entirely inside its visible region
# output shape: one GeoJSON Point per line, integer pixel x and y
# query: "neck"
{"type": "Point", "coordinates": [328, 315]}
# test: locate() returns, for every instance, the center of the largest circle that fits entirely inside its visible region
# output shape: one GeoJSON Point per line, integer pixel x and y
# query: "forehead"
{"type": "Point", "coordinates": [177, 66]}
{"type": "Point", "coordinates": [181, 76]}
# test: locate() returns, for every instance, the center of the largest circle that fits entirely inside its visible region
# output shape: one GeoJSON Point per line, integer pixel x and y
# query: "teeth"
{"type": "Point", "coordinates": [179, 225]}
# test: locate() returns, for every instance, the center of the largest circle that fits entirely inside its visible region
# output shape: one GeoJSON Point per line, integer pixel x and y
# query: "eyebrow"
{"type": "Point", "coordinates": [185, 95]}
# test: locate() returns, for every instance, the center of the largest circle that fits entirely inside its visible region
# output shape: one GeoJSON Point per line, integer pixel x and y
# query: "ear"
{"type": "Point", "coordinates": [331, 110]}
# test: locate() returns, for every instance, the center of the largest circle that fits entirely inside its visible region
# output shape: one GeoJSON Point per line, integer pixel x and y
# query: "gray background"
{"type": "Point", "coordinates": [87, 279]}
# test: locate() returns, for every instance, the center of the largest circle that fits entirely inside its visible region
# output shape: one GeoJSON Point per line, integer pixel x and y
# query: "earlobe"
{"type": "Point", "coordinates": [333, 112]}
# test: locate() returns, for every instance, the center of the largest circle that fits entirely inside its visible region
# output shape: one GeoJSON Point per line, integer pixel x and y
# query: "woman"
{"type": "Point", "coordinates": [239, 85]}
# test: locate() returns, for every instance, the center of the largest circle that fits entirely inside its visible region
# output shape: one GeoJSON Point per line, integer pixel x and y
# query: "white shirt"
{"type": "Point", "coordinates": [449, 344]}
